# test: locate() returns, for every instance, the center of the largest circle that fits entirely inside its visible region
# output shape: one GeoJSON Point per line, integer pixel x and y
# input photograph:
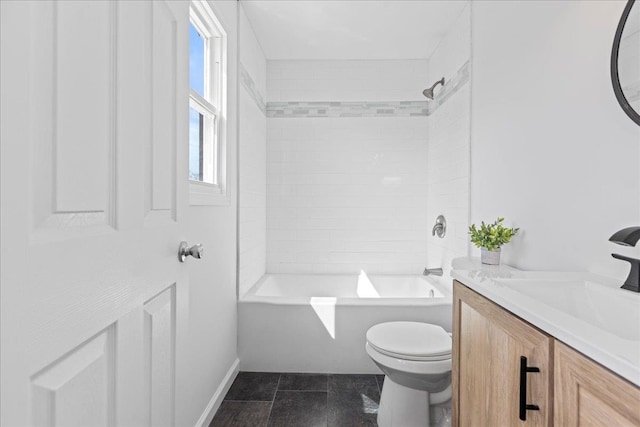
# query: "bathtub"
{"type": "Point", "coordinates": [317, 323]}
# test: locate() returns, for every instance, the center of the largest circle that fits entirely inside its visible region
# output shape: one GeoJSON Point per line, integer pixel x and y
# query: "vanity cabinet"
{"type": "Point", "coordinates": [587, 394]}
{"type": "Point", "coordinates": [501, 364]}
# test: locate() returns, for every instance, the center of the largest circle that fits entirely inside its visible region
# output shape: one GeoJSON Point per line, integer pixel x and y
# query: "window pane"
{"type": "Point", "coordinates": [195, 152]}
{"type": "Point", "coordinates": [202, 147]}
{"type": "Point", "coordinates": [196, 61]}
{"type": "Point", "coordinates": [209, 149]}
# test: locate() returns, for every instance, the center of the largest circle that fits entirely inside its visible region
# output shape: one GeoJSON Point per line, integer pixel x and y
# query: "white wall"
{"type": "Point", "coordinates": [346, 193]}
{"type": "Point", "coordinates": [211, 345]}
{"type": "Point", "coordinates": [448, 164]}
{"type": "Point", "coordinates": [346, 80]}
{"type": "Point", "coordinates": [551, 149]}
{"type": "Point", "coordinates": [253, 159]}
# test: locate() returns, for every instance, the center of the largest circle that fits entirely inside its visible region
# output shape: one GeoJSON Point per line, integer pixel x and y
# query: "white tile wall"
{"type": "Point", "coordinates": [448, 165]}
{"type": "Point", "coordinates": [253, 159]}
{"type": "Point", "coordinates": [448, 178]}
{"type": "Point", "coordinates": [346, 194]}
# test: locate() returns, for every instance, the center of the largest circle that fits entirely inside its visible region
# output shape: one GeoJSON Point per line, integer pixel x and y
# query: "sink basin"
{"type": "Point", "coordinates": [613, 310]}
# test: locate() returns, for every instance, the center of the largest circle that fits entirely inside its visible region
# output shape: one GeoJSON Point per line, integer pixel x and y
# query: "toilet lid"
{"type": "Point", "coordinates": [410, 340]}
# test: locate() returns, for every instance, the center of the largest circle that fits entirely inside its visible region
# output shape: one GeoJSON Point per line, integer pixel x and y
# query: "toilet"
{"type": "Point", "coordinates": [416, 360]}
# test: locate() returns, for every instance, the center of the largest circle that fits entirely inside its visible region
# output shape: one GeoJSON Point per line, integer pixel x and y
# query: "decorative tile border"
{"type": "Point", "coordinates": [252, 90]}
{"type": "Point", "coordinates": [346, 109]}
{"type": "Point", "coordinates": [370, 109]}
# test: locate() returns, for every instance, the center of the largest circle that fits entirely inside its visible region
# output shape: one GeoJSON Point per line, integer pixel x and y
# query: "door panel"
{"type": "Point", "coordinates": [159, 338]}
{"type": "Point", "coordinates": [94, 299]}
{"type": "Point", "coordinates": [83, 57]}
{"type": "Point", "coordinates": [162, 155]}
{"type": "Point", "coordinates": [73, 138]}
{"type": "Point", "coordinates": [77, 390]}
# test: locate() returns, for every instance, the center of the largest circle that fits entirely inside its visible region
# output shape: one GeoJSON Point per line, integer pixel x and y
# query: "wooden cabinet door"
{"type": "Point", "coordinates": [488, 343]}
{"type": "Point", "coordinates": [586, 394]}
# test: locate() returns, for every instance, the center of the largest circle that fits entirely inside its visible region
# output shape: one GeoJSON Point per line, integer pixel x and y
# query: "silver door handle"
{"type": "Point", "coordinates": [184, 251]}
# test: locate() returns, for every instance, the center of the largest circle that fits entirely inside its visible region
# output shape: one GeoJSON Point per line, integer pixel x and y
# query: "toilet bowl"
{"type": "Point", "coordinates": [416, 360]}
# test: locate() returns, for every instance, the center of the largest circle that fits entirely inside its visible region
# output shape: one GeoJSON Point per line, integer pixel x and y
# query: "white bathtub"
{"type": "Point", "coordinates": [317, 323]}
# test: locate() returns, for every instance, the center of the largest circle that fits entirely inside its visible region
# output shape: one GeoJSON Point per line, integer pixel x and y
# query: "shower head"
{"type": "Point", "coordinates": [429, 92]}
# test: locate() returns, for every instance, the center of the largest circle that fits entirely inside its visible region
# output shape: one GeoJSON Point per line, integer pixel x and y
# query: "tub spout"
{"type": "Point", "coordinates": [432, 272]}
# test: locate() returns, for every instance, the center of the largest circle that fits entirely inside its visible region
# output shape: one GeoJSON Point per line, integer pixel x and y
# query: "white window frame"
{"type": "Point", "coordinates": [213, 104]}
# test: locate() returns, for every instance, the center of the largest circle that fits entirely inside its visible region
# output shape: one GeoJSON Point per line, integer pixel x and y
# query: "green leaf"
{"type": "Point", "coordinates": [491, 236]}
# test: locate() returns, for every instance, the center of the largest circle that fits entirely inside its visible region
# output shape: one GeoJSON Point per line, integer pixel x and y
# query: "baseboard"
{"type": "Point", "coordinates": [218, 396]}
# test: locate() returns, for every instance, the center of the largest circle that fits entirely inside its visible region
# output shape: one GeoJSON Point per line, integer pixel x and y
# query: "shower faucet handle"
{"type": "Point", "coordinates": [440, 228]}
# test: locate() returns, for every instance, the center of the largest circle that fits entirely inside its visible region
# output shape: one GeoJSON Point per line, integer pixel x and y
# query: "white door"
{"type": "Point", "coordinates": [94, 192]}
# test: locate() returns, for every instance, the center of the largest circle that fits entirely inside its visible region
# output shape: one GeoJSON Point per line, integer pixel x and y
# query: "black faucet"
{"type": "Point", "coordinates": [629, 237]}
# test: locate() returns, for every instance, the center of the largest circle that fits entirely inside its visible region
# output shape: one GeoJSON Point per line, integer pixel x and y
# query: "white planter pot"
{"type": "Point", "coordinates": [490, 257]}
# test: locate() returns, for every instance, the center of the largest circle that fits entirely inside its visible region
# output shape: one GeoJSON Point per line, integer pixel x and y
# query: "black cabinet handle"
{"type": "Point", "coordinates": [524, 407]}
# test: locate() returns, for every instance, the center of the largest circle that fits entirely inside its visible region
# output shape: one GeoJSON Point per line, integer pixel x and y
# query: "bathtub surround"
{"type": "Point", "coordinates": [448, 178]}
{"type": "Point", "coordinates": [346, 173]}
{"type": "Point", "coordinates": [448, 148]}
{"type": "Point", "coordinates": [253, 158]}
{"type": "Point", "coordinates": [347, 197]}
{"type": "Point", "coordinates": [347, 194]}
{"type": "Point", "coordinates": [360, 163]}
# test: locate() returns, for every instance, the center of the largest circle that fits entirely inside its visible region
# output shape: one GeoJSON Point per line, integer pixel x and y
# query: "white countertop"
{"type": "Point", "coordinates": [601, 321]}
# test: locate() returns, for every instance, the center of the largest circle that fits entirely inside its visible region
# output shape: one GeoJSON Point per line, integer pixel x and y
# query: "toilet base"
{"type": "Point", "coordinates": [402, 406]}
{"type": "Point", "coordinates": [407, 407]}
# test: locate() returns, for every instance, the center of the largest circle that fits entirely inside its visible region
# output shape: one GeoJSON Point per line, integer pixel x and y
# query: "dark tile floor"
{"type": "Point", "coordinates": [300, 400]}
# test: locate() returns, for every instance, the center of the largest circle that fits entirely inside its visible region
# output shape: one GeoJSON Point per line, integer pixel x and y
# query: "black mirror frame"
{"type": "Point", "coordinates": [615, 78]}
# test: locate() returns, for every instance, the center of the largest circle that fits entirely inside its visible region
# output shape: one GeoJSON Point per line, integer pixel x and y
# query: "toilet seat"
{"type": "Point", "coordinates": [412, 341]}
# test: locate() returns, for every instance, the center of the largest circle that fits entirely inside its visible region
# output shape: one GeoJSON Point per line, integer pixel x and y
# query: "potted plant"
{"type": "Point", "coordinates": [490, 238]}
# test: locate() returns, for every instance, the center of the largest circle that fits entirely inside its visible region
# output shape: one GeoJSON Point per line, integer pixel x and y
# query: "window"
{"type": "Point", "coordinates": [207, 106]}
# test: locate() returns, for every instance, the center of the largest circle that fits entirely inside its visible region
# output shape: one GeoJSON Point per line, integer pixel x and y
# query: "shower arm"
{"type": "Point", "coordinates": [441, 81]}
{"type": "Point", "coordinates": [429, 92]}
